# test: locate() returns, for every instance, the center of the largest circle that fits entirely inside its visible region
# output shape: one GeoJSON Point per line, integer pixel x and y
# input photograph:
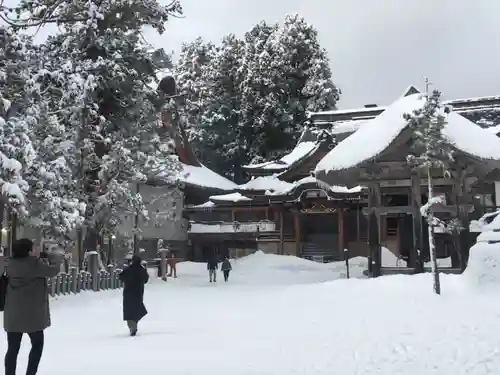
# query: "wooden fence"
{"type": "Point", "coordinates": [77, 281]}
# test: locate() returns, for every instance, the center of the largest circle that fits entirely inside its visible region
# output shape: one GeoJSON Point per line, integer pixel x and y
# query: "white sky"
{"type": "Point", "coordinates": [377, 47]}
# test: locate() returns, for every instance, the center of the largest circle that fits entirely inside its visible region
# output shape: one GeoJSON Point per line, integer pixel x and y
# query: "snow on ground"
{"type": "Point", "coordinates": [282, 315]}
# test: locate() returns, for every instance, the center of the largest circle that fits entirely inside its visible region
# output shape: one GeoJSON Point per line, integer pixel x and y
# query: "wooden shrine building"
{"type": "Point", "coordinates": [347, 169]}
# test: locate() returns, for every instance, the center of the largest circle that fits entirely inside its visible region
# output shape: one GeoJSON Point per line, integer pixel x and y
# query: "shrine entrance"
{"type": "Point", "coordinates": [320, 228]}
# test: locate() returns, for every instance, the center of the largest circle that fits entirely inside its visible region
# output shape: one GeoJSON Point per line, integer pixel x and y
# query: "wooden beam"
{"type": "Point", "coordinates": [396, 210]}
{"type": "Point", "coordinates": [298, 233]}
{"type": "Point", "coordinates": [282, 233]}
{"type": "Point", "coordinates": [341, 230]}
{"type": "Point", "coordinates": [416, 203]}
{"type": "Point", "coordinates": [385, 183]}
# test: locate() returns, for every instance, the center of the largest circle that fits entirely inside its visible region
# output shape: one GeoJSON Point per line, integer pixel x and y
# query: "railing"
{"type": "Point", "coordinates": [77, 281]}
{"type": "Point", "coordinates": [232, 227]}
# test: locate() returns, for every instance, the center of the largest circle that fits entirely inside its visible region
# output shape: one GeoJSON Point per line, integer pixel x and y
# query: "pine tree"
{"type": "Point", "coordinates": [431, 151]}
{"type": "Point", "coordinates": [251, 96]}
{"type": "Point", "coordinates": [298, 80]}
{"type": "Point", "coordinates": [219, 125]}
{"type": "Point", "coordinates": [191, 80]}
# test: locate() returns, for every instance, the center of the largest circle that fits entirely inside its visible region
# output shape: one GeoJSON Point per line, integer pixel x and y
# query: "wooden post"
{"type": "Point", "coordinates": [378, 203]}
{"type": "Point", "coordinates": [346, 258]}
{"type": "Point", "coordinates": [415, 260]}
{"type": "Point", "coordinates": [340, 214]}
{"type": "Point", "coordinates": [461, 237]}
{"type": "Point", "coordinates": [298, 234]}
{"type": "Point", "coordinates": [282, 233]}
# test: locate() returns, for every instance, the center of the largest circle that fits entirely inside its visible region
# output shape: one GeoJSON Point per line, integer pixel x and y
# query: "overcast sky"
{"type": "Point", "coordinates": [376, 47]}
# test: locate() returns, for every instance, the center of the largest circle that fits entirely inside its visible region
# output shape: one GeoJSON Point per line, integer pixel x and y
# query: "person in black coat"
{"type": "Point", "coordinates": [212, 266]}
{"type": "Point", "coordinates": [134, 277]}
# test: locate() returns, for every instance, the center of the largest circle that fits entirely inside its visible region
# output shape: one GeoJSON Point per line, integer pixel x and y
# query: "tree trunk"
{"type": "Point", "coordinates": [136, 224]}
{"type": "Point", "coordinates": [432, 246]}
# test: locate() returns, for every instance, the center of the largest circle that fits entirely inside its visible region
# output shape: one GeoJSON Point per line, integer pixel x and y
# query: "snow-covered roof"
{"type": "Point", "coordinates": [207, 204]}
{"type": "Point", "coordinates": [376, 135]}
{"type": "Point", "coordinates": [313, 180]}
{"type": "Point", "coordinates": [266, 183]}
{"type": "Point", "coordinates": [346, 111]}
{"type": "Point", "coordinates": [232, 197]}
{"type": "Point", "coordinates": [204, 177]}
{"type": "Point", "coordinates": [472, 100]}
{"type": "Point", "coordinates": [348, 126]}
{"type": "Point", "coordinates": [300, 151]}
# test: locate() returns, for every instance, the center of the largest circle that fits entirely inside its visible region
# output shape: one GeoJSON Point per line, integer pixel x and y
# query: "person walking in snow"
{"type": "Point", "coordinates": [134, 277]}
{"type": "Point", "coordinates": [26, 307]}
{"type": "Point", "coordinates": [226, 268]}
{"type": "Point", "coordinates": [212, 266]}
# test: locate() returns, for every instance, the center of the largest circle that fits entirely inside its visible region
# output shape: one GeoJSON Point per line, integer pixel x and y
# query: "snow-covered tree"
{"type": "Point", "coordinates": [16, 150]}
{"type": "Point", "coordinates": [250, 96]}
{"type": "Point", "coordinates": [431, 151]}
{"type": "Point", "coordinates": [28, 136]}
{"type": "Point", "coordinates": [192, 84]}
{"type": "Point", "coordinates": [224, 151]}
{"type": "Point", "coordinates": [296, 78]}
{"type": "Point", "coordinates": [98, 78]}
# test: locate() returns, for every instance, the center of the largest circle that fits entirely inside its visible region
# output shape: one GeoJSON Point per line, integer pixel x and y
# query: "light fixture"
{"type": "Point", "coordinates": [113, 237]}
{"type": "Point", "coordinates": [4, 230]}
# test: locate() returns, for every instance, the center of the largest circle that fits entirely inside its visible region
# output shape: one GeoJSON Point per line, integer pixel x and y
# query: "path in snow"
{"type": "Point", "coordinates": [258, 325]}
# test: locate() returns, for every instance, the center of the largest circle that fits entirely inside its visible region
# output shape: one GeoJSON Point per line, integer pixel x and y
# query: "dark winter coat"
{"type": "Point", "coordinates": [212, 264]}
{"type": "Point", "coordinates": [134, 277]}
{"type": "Point", "coordinates": [27, 301]}
{"type": "Point", "coordinates": [226, 265]}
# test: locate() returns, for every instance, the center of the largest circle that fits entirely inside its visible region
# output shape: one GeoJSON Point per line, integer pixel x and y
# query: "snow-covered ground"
{"type": "Point", "coordinates": [283, 315]}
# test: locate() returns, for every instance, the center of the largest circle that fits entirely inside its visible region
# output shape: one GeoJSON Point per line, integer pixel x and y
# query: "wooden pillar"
{"type": "Point", "coordinates": [373, 230]}
{"type": "Point", "coordinates": [340, 213]}
{"type": "Point", "coordinates": [378, 203]}
{"type": "Point", "coordinates": [460, 255]}
{"type": "Point", "coordinates": [358, 222]}
{"type": "Point", "coordinates": [414, 260]}
{"type": "Point", "coordinates": [282, 233]}
{"type": "Point", "coordinates": [298, 233]}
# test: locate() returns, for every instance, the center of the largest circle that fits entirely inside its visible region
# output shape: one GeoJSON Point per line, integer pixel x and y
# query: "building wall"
{"type": "Point", "coordinates": [164, 206]}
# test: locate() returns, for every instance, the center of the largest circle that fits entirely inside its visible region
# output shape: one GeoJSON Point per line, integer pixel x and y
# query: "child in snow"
{"type": "Point", "coordinates": [226, 268]}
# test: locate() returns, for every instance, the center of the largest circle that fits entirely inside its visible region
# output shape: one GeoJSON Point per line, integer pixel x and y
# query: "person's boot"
{"type": "Point", "coordinates": [132, 326]}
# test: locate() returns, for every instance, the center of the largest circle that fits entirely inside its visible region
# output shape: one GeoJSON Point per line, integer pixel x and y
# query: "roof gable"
{"type": "Point", "coordinates": [379, 133]}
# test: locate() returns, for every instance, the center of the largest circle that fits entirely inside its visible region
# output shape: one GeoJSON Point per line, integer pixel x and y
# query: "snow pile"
{"type": "Point", "coordinates": [483, 269]}
{"type": "Point", "coordinates": [482, 224]}
{"type": "Point", "coordinates": [489, 227]}
{"type": "Point", "coordinates": [389, 259]}
{"type": "Point", "coordinates": [260, 268]}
